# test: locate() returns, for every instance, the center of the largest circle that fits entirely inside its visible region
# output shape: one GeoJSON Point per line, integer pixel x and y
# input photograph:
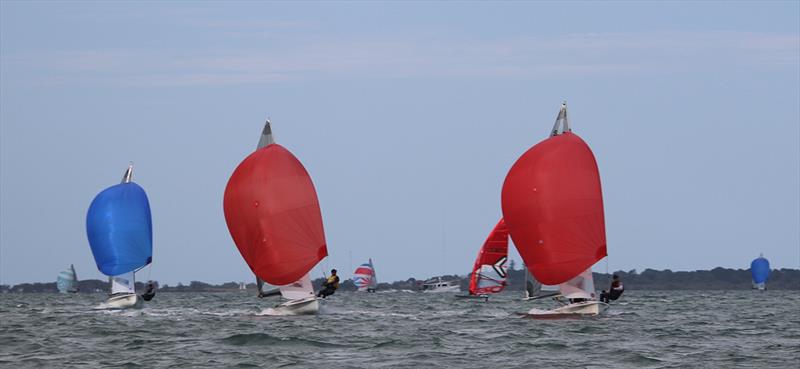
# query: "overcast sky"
{"type": "Point", "coordinates": [408, 116]}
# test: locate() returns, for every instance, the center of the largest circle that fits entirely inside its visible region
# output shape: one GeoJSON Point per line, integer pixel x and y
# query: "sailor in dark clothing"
{"type": "Point", "coordinates": [615, 292]}
{"type": "Point", "coordinates": [330, 285]}
{"type": "Point", "coordinates": [149, 292]}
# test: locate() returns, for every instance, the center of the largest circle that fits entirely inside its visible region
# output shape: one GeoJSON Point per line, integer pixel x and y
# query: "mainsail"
{"type": "Point", "coordinates": [123, 283]}
{"type": "Point", "coordinates": [553, 206]}
{"type": "Point", "coordinates": [273, 214]}
{"type": "Point", "coordinates": [120, 230]}
{"type": "Point", "coordinates": [580, 287]}
{"type": "Point", "coordinates": [759, 270]}
{"type": "Point", "coordinates": [364, 277]}
{"type": "Point", "coordinates": [67, 280]}
{"type": "Point", "coordinates": [490, 271]}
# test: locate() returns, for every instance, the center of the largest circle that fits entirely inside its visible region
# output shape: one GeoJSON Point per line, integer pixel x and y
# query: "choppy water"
{"type": "Point", "coordinates": [661, 329]}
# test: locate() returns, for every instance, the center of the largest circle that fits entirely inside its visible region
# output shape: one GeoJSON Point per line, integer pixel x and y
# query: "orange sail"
{"type": "Point", "coordinates": [273, 215]}
{"type": "Point", "coordinates": [489, 272]}
{"type": "Point", "coordinates": [553, 206]}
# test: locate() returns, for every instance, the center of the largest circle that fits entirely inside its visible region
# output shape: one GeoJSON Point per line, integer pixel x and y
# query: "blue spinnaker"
{"type": "Point", "coordinates": [120, 229]}
{"type": "Point", "coordinates": [759, 268]}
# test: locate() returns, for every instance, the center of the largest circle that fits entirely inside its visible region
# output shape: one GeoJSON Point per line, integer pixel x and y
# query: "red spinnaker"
{"type": "Point", "coordinates": [493, 254]}
{"type": "Point", "coordinates": [553, 206]}
{"type": "Point", "coordinates": [273, 215]}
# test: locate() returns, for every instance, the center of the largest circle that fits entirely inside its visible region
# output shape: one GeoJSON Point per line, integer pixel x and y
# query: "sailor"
{"type": "Point", "coordinates": [330, 285]}
{"type": "Point", "coordinates": [615, 292]}
{"type": "Point", "coordinates": [150, 291]}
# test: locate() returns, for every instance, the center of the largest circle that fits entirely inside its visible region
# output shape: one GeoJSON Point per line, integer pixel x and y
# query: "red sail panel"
{"type": "Point", "coordinates": [553, 206]}
{"type": "Point", "coordinates": [273, 215]}
{"type": "Point", "coordinates": [492, 257]}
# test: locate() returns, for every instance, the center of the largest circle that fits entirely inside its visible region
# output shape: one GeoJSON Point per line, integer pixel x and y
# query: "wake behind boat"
{"type": "Point", "coordinates": [553, 205]}
{"type": "Point", "coordinates": [120, 232]}
{"type": "Point", "coordinates": [273, 215]}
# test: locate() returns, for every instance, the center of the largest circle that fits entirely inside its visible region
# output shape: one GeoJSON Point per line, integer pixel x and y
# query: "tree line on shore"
{"type": "Point", "coordinates": [649, 279]}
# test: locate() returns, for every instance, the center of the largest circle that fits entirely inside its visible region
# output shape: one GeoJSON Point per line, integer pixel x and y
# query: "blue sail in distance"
{"type": "Point", "coordinates": [759, 269]}
{"type": "Point", "coordinates": [120, 229]}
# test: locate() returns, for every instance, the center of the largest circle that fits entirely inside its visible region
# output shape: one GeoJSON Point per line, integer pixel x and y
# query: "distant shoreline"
{"type": "Point", "coordinates": [714, 279]}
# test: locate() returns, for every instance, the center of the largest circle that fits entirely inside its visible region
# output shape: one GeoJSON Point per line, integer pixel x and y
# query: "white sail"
{"type": "Point", "coordinates": [580, 287]}
{"type": "Point", "coordinates": [123, 283]}
{"type": "Point", "coordinates": [300, 289]}
{"type": "Point", "coordinates": [490, 277]}
{"type": "Point", "coordinates": [67, 280]}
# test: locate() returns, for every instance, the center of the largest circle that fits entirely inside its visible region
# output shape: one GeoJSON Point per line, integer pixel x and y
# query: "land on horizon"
{"type": "Point", "coordinates": [715, 279]}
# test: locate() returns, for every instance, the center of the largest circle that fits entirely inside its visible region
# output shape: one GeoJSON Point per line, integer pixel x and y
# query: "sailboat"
{"type": "Point", "coordinates": [553, 205]}
{"type": "Point", "coordinates": [120, 232]}
{"type": "Point", "coordinates": [759, 270]}
{"type": "Point", "coordinates": [67, 281]}
{"type": "Point", "coordinates": [273, 215]}
{"type": "Point", "coordinates": [490, 271]}
{"type": "Point", "coordinates": [364, 277]}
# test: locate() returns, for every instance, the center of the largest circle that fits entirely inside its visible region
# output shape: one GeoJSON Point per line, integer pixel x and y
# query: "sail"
{"type": "Point", "coordinates": [535, 289]}
{"type": "Point", "coordinates": [553, 206]}
{"type": "Point", "coordinates": [300, 289]}
{"type": "Point", "coordinates": [489, 272]}
{"type": "Point", "coordinates": [580, 287]}
{"type": "Point", "coordinates": [119, 228]}
{"type": "Point", "coordinates": [273, 215]}
{"type": "Point", "coordinates": [67, 281]}
{"type": "Point", "coordinates": [123, 283]}
{"type": "Point", "coordinates": [759, 269]}
{"type": "Point", "coordinates": [364, 277]}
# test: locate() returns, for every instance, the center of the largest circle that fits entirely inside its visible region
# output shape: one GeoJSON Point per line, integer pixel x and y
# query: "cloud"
{"type": "Point", "coordinates": [423, 57]}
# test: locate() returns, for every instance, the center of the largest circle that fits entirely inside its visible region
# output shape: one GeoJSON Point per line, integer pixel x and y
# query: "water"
{"type": "Point", "coordinates": [663, 329]}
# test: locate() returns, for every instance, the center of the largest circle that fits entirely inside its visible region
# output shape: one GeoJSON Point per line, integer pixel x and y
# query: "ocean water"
{"type": "Point", "coordinates": [645, 329]}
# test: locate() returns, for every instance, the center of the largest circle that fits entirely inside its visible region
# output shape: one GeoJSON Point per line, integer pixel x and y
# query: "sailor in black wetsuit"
{"type": "Point", "coordinates": [330, 285]}
{"type": "Point", "coordinates": [615, 292]}
{"type": "Point", "coordinates": [149, 292]}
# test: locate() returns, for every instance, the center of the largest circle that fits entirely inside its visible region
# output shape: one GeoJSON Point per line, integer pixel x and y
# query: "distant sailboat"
{"type": "Point", "coordinates": [67, 281]}
{"type": "Point", "coordinates": [120, 232]}
{"type": "Point", "coordinates": [273, 215]}
{"type": "Point", "coordinates": [553, 206]}
{"type": "Point", "coordinates": [364, 277]}
{"type": "Point", "coordinates": [759, 269]}
{"type": "Point", "coordinates": [490, 271]}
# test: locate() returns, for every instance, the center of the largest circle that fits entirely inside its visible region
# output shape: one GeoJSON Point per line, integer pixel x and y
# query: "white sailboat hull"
{"type": "Point", "coordinates": [125, 301]}
{"type": "Point", "coordinates": [448, 289]}
{"type": "Point", "coordinates": [306, 306]}
{"type": "Point", "coordinates": [578, 309]}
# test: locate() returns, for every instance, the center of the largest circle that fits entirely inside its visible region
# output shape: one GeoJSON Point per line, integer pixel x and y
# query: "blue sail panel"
{"type": "Point", "coordinates": [759, 269]}
{"type": "Point", "coordinates": [120, 229]}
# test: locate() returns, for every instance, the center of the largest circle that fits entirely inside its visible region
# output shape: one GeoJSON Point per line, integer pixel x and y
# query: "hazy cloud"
{"type": "Point", "coordinates": [529, 57]}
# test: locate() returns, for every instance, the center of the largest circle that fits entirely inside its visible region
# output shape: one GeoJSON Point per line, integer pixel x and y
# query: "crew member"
{"type": "Point", "coordinates": [330, 285]}
{"type": "Point", "coordinates": [150, 291]}
{"type": "Point", "coordinates": [615, 292]}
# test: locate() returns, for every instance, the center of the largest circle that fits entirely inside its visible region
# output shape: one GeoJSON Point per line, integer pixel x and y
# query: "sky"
{"type": "Point", "coordinates": [408, 116]}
